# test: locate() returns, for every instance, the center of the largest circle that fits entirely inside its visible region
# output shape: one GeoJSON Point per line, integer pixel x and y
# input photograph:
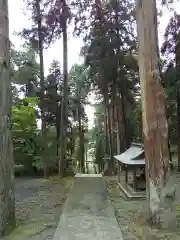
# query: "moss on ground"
{"type": "Point", "coordinates": [132, 220]}
{"type": "Point", "coordinates": [40, 211]}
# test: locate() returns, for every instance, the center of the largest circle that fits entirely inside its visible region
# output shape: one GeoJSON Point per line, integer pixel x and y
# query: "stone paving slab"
{"type": "Point", "coordinates": [88, 213]}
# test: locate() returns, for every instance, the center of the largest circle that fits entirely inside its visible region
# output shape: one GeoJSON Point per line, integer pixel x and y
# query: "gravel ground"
{"type": "Point", "coordinates": [128, 211]}
{"type": "Point", "coordinates": [39, 203]}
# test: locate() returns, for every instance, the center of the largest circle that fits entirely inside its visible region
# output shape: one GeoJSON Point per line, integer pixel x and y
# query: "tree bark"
{"type": "Point", "coordinates": [81, 142]}
{"type": "Point", "coordinates": [177, 59]}
{"type": "Point", "coordinates": [120, 148]}
{"type": "Point", "coordinates": [110, 134]}
{"type": "Point", "coordinates": [124, 122]}
{"type": "Point", "coordinates": [114, 122]}
{"type": "Point", "coordinates": [121, 125]}
{"type": "Point", "coordinates": [108, 168]}
{"type": "Point", "coordinates": [83, 150]}
{"type": "Point", "coordinates": [106, 145]}
{"type": "Point", "coordinates": [155, 129]}
{"type": "Point", "coordinates": [41, 60]}
{"type": "Point", "coordinates": [170, 154]}
{"type": "Point", "coordinates": [64, 122]}
{"type": "Point", "coordinates": [7, 196]}
{"type": "Point", "coordinates": [178, 128]}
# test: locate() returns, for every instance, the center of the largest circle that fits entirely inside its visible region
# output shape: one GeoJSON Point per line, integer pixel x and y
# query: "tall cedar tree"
{"type": "Point", "coordinates": [7, 196]}
{"type": "Point", "coordinates": [159, 185]}
{"type": "Point", "coordinates": [171, 51]}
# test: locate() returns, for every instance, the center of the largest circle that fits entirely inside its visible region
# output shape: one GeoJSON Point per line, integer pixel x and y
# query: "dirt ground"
{"type": "Point", "coordinates": [128, 212]}
{"type": "Point", "coordinates": [39, 203]}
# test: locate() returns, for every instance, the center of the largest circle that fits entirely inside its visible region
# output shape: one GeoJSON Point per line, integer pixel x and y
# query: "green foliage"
{"type": "Point", "coordinates": [24, 133]}
{"type": "Point", "coordinates": [98, 136]}
{"type": "Point", "coordinates": [25, 70]}
{"type": "Point", "coordinates": [27, 138]}
{"type": "Point", "coordinates": [100, 153]}
{"type": "Point", "coordinates": [79, 86]}
{"type": "Point", "coordinates": [135, 119]}
{"type": "Point", "coordinates": [171, 66]}
{"type": "Point", "coordinates": [110, 69]}
{"type": "Point", "coordinates": [50, 150]}
{"type": "Point", "coordinates": [109, 50]}
{"type": "Point", "coordinates": [53, 96]}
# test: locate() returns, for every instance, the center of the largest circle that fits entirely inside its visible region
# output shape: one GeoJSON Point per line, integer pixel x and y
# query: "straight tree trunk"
{"type": "Point", "coordinates": [64, 122]}
{"type": "Point", "coordinates": [86, 155]}
{"type": "Point", "coordinates": [58, 124]}
{"type": "Point", "coordinates": [118, 133]}
{"type": "Point", "coordinates": [106, 146]}
{"type": "Point", "coordinates": [124, 121]}
{"type": "Point", "coordinates": [58, 127]}
{"type": "Point", "coordinates": [123, 127]}
{"type": "Point", "coordinates": [114, 122]}
{"type": "Point", "coordinates": [110, 165]}
{"type": "Point", "coordinates": [7, 197]}
{"type": "Point", "coordinates": [177, 58]}
{"type": "Point", "coordinates": [178, 128]}
{"type": "Point", "coordinates": [83, 150]}
{"type": "Point", "coordinates": [170, 154]}
{"type": "Point", "coordinates": [61, 154]}
{"type": "Point", "coordinates": [41, 59]}
{"type": "Point", "coordinates": [160, 190]}
{"type": "Point", "coordinates": [81, 142]}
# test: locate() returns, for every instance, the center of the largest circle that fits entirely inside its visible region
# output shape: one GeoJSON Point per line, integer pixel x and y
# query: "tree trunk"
{"type": "Point", "coordinates": [7, 197]}
{"type": "Point", "coordinates": [114, 122]}
{"type": "Point", "coordinates": [106, 145]}
{"type": "Point", "coordinates": [178, 128]}
{"type": "Point", "coordinates": [124, 121]}
{"type": "Point", "coordinates": [121, 126]}
{"type": "Point", "coordinates": [86, 157]}
{"type": "Point", "coordinates": [110, 134]}
{"type": "Point", "coordinates": [109, 166]}
{"type": "Point", "coordinates": [155, 129]}
{"type": "Point", "coordinates": [83, 151]}
{"type": "Point", "coordinates": [169, 149]}
{"type": "Point", "coordinates": [41, 59]}
{"type": "Point", "coordinates": [64, 122]}
{"type": "Point", "coordinates": [61, 154]}
{"type": "Point", "coordinates": [58, 131]}
{"type": "Point", "coordinates": [177, 59]}
{"type": "Point", "coordinates": [81, 142]}
{"type": "Point", "coordinates": [118, 133]}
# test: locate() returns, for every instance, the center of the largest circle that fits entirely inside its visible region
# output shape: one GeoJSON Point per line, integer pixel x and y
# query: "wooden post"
{"type": "Point", "coordinates": [134, 179]}
{"type": "Point", "coordinates": [126, 174]}
{"type": "Point", "coordinates": [118, 174]}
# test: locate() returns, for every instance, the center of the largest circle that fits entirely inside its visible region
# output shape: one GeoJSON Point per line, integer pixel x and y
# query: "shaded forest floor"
{"type": "Point", "coordinates": [39, 203]}
{"type": "Point", "coordinates": [127, 214]}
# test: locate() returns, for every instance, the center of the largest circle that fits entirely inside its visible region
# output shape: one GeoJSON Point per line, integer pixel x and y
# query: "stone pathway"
{"type": "Point", "coordinates": [88, 213]}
